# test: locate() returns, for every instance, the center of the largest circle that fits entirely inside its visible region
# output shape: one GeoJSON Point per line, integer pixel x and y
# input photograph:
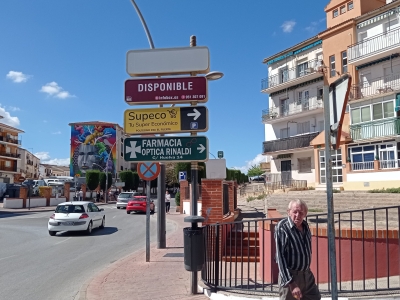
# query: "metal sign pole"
{"type": "Point", "coordinates": [329, 195]}
{"type": "Point", "coordinates": [161, 222]}
{"type": "Point", "coordinates": [148, 221]}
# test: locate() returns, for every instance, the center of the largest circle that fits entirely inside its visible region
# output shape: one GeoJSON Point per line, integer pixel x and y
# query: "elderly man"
{"type": "Point", "coordinates": [293, 255]}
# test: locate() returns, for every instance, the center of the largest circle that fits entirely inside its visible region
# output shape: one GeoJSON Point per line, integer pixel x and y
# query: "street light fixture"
{"type": "Point", "coordinates": [214, 75]}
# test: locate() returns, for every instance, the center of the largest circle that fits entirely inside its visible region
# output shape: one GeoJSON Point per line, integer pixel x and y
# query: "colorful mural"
{"type": "Point", "coordinates": [90, 147]}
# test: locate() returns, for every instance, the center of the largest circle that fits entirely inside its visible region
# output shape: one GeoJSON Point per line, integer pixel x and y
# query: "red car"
{"type": "Point", "coordinates": [138, 204]}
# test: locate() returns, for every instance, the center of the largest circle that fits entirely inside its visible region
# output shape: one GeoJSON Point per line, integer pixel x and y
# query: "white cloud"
{"type": "Point", "coordinates": [17, 77]}
{"type": "Point", "coordinates": [56, 132]}
{"type": "Point", "coordinates": [42, 155]}
{"type": "Point", "coordinates": [288, 26]}
{"type": "Point", "coordinates": [53, 89]}
{"type": "Point", "coordinates": [7, 118]}
{"type": "Point", "coordinates": [313, 27]}
{"type": "Point", "coordinates": [44, 121]}
{"type": "Point", "coordinates": [14, 108]}
{"type": "Point", "coordinates": [249, 163]}
{"type": "Point", "coordinates": [45, 159]}
{"type": "Point", "coordinates": [57, 161]}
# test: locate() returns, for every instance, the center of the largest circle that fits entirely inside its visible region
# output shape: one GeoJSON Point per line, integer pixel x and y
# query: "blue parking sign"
{"type": "Point", "coordinates": [182, 175]}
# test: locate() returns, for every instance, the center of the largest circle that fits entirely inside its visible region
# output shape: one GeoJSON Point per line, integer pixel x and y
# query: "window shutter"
{"type": "Point", "coordinates": [397, 102]}
{"type": "Point", "coordinates": [304, 165]}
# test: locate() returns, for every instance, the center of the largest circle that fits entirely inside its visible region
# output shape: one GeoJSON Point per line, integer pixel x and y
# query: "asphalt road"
{"type": "Point", "coordinates": [34, 265]}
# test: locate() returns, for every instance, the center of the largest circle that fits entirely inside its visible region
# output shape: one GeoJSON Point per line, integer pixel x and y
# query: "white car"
{"type": "Point", "coordinates": [76, 216]}
{"type": "Point", "coordinates": [124, 197]}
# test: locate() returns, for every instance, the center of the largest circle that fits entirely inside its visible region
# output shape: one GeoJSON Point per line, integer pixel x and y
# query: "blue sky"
{"type": "Point", "coordinates": [63, 61]}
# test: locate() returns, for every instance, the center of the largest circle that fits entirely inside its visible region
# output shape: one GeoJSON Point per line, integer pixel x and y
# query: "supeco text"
{"type": "Point", "coordinates": [144, 116]}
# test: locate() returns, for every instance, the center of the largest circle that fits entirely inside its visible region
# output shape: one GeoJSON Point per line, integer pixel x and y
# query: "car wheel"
{"type": "Point", "coordinates": [128, 212]}
{"type": "Point", "coordinates": [52, 233]}
{"type": "Point", "coordinates": [89, 228]}
{"type": "Point", "coordinates": [103, 222]}
{"type": "Point", "coordinates": [118, 207]}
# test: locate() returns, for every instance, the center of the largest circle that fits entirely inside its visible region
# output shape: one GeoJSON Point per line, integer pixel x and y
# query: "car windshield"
{"type": "Point", "coordinates": [70, 208]}
{"type": "Point", "coordinates": [139, 198]}
{"type": "Point", "coordinates": [125, 195]}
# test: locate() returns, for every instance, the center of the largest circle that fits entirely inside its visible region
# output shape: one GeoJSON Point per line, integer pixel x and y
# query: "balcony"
{"type": "Point", "coordinates": [295, 142]}
{"type": "Point", "coordinates": [373, 48]}
{"type": "Point", "coordinates": [13, 155]}
{"type": "Point", "coordinates": [375, 129]}
{"type": "Point", "coordinates": [288, 77]}
{"type": "Point", "coordinates": [376, 87]}
{"type": "Point", "coordinates": [10, 140]}
{"type": "Point", "coordinates": [307, 107]}
{"type": "Point", "coordinates": [30, 162]}
{"type": "Point", "coordinates": [375, 165]}
{"type": "Point", "coordinates": [12, 168]}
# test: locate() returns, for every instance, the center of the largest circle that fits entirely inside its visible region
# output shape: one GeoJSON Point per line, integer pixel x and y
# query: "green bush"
{"type": "Point", "coordinates": [178, 199]}
{"type": "Point", "coordinates": [383, 190]}
{"type": "Point", "coordinates": [92, 179]}
{"type": "Point", "coordinates": [311, 188]}
{"type": "Point", "coordinates": [103, 181]}
{"type": "Point", "coordinates": [128, 178]}
{"type": "Point", "coordinates": [261, 196]}
{"type": "Point", "coordinates": [335, 191]}
{"type": "Point", "coordinates": [250, 198]}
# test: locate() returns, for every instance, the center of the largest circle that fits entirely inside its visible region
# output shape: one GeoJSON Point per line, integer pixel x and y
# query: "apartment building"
{"type": "Point", "coordinates": [295, 114]}
{"type": "Point", "coordinates": [9, 155]}
{"type": "Point", "coordinates": [29, 164]}
{"type": "Point", "coordinates": [46, 170]}
{"type": "Point", "coordinates": [294, 121]}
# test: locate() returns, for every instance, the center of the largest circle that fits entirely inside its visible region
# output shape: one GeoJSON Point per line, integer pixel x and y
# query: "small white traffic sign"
{"type": "Point", "coordinates": [168, 61]}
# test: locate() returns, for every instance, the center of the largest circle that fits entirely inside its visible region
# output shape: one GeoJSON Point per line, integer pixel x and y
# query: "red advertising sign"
{"type": "Point", "coordinates": [166, 90]}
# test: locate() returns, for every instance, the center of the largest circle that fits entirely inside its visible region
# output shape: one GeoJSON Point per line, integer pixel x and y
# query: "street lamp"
{"type": "Point", "coordinates": [214, 75]}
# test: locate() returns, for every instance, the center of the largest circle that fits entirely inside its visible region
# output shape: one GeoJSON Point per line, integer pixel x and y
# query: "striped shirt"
{"type": "Point", "coordinates": [293, 248]}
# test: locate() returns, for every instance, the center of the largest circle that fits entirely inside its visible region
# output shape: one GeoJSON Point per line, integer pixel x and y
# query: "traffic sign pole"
{"type": "Point", "coordinates": [148, 221]}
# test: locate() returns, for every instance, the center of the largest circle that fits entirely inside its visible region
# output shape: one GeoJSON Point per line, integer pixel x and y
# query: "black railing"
{"type": "Point", "coordinates": [240, 255]}
{"type": "Point", "coordinates": [300, 141]}
{"type": "Point", "coordinates": [378, 43]}
{"type": "Point", "coordinates": [15, 155]}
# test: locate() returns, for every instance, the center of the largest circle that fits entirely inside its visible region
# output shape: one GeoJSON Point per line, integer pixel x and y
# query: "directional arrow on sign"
{"type": "Point", "coordinates": [133, 149]}
{"type": "Point", "coordinates": [201, 148]}
{"type": "Point", "coordinates": [196, 114]}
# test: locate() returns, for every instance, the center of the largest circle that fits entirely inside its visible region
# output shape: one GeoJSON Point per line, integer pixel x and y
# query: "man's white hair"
{"type": "Point", "coordinates": [299, 202]}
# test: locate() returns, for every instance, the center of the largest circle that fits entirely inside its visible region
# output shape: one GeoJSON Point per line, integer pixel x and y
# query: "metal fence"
{"type": "Point", "coordinates": [225, 199]}
{"type": "Point", "coordinates": [240, 256]}
{"type": "Point", "coordinates": [286, 183]}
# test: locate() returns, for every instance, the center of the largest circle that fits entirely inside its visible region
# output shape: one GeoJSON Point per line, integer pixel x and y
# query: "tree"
{"type": "Point", "coordinates": [103, 181]}
{"type": "Point", "coordinates": [92, 179]}
{"type": "Point", "coordinates": [128, 178]}
{"type": "Point", "coordinates": [254, 171]}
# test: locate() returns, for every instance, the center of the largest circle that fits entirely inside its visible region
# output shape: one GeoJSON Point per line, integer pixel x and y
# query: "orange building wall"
{"type": "Point", "coordinates": [360, 7]}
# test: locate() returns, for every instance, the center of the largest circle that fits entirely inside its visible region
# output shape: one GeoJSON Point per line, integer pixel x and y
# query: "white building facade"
{"type": "Point", "coordinates": [29, 164]}
{"type": "Point", "coordinates": [295, 114]}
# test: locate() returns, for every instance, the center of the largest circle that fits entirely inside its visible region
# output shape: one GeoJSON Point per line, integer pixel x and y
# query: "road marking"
{"type": "Point", "coordinates": [62, 241]}
{"type": "Point", "coordinates": [7, 257]}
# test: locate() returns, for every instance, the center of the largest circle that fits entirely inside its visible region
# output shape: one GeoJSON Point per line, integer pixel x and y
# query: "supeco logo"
{"type": "Point", "coordinates": [152, 116]}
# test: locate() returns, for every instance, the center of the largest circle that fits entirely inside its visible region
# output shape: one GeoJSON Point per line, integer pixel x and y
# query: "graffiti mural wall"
{"type": "Point", "coordinates": [90, 147]}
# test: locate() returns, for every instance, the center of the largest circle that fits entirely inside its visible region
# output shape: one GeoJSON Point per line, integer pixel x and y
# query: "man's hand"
{"type": "Point", "coordinates": [295, 290]}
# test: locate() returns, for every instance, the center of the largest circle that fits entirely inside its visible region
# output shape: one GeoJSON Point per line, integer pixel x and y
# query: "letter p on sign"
{"type": "Point", "coordinates": [182, 175]}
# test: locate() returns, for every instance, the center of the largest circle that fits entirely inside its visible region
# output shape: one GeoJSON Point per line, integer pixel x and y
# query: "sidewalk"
{"type": "Point", "coordinates": [164, 277]}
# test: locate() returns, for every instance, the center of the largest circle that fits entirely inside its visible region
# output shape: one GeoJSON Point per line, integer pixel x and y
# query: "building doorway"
{"type": "Point", "coordinates": [286, 171]}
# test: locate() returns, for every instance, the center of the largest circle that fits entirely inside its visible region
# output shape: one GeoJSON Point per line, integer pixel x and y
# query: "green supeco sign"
{"type": "Point", "coordinates": [180, 149]}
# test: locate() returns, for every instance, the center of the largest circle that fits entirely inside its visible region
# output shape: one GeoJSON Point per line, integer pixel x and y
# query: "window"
{"type": "Point", "coordinates": [303, 127]}
{"type": "Point", "coordinates": [284, 133]}
{"type": "Point", "coordinates": [283, 75]}
{"type": "Point", "coordinates": [337, 171]}
{"type": "Point", "coordinates": [300, 98]}
{"type": "Point", "coordinates": [335, 13]}
{"type": "Point", "coordinates": [350, 5]}
{"type": "Point", "coordinates": [342, 9]}
{"type": "Point", "coordinates": [332, 65]}
{"type": "Point", "coordinates": [362, 157]}
{"type": "Point", "coordinates": [303, 97]}
{"type": "Point", "coordinates": [344, 62]}
{"type": "Point", "coordinates": [320, 93]}
{"type": "Point", "coordinates": [302, 68]}
{"type": "Point", "coordinates": [8, 164]}
{"type": "Point", "coordinates": [321, 125]}
{"type": "Point", "coordinates": [379, 111]}
{"type": "Point", "coordinates": [304, 165]}
{"type": "Point", "coordinates": [387, 156]}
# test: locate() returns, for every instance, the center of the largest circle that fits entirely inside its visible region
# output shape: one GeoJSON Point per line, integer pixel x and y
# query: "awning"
{"type": "Point", "coordinates": [374, 62]}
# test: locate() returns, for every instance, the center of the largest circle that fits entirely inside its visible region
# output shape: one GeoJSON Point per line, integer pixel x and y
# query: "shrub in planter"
{"type": "Point", "coordinates": [178, 199]}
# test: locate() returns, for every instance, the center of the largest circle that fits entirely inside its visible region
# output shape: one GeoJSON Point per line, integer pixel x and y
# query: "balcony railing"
{"type": "Point", "coordinates": [389, 164]}
{"type": "Point", "coordinates": [15, 155]}
{"type": "Point", "coordinates": [10, 140]}
{"type": "Point", "coordinates": [378, 43]}
{"type": "Point", "coordinates": [294, 142]}
{"type": "Point", "coordinates": [375, 129]}
{"type": "Point", "coordinates": [280, 112]}
{"type": "Point", "coordinates": [362, 166]}
{"type": "Point", "coordinates": [380, 85]}
{"type": "Point", "coordinates": [370, 165]}
{"type": "Point", "coordinates": [287, 75]}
